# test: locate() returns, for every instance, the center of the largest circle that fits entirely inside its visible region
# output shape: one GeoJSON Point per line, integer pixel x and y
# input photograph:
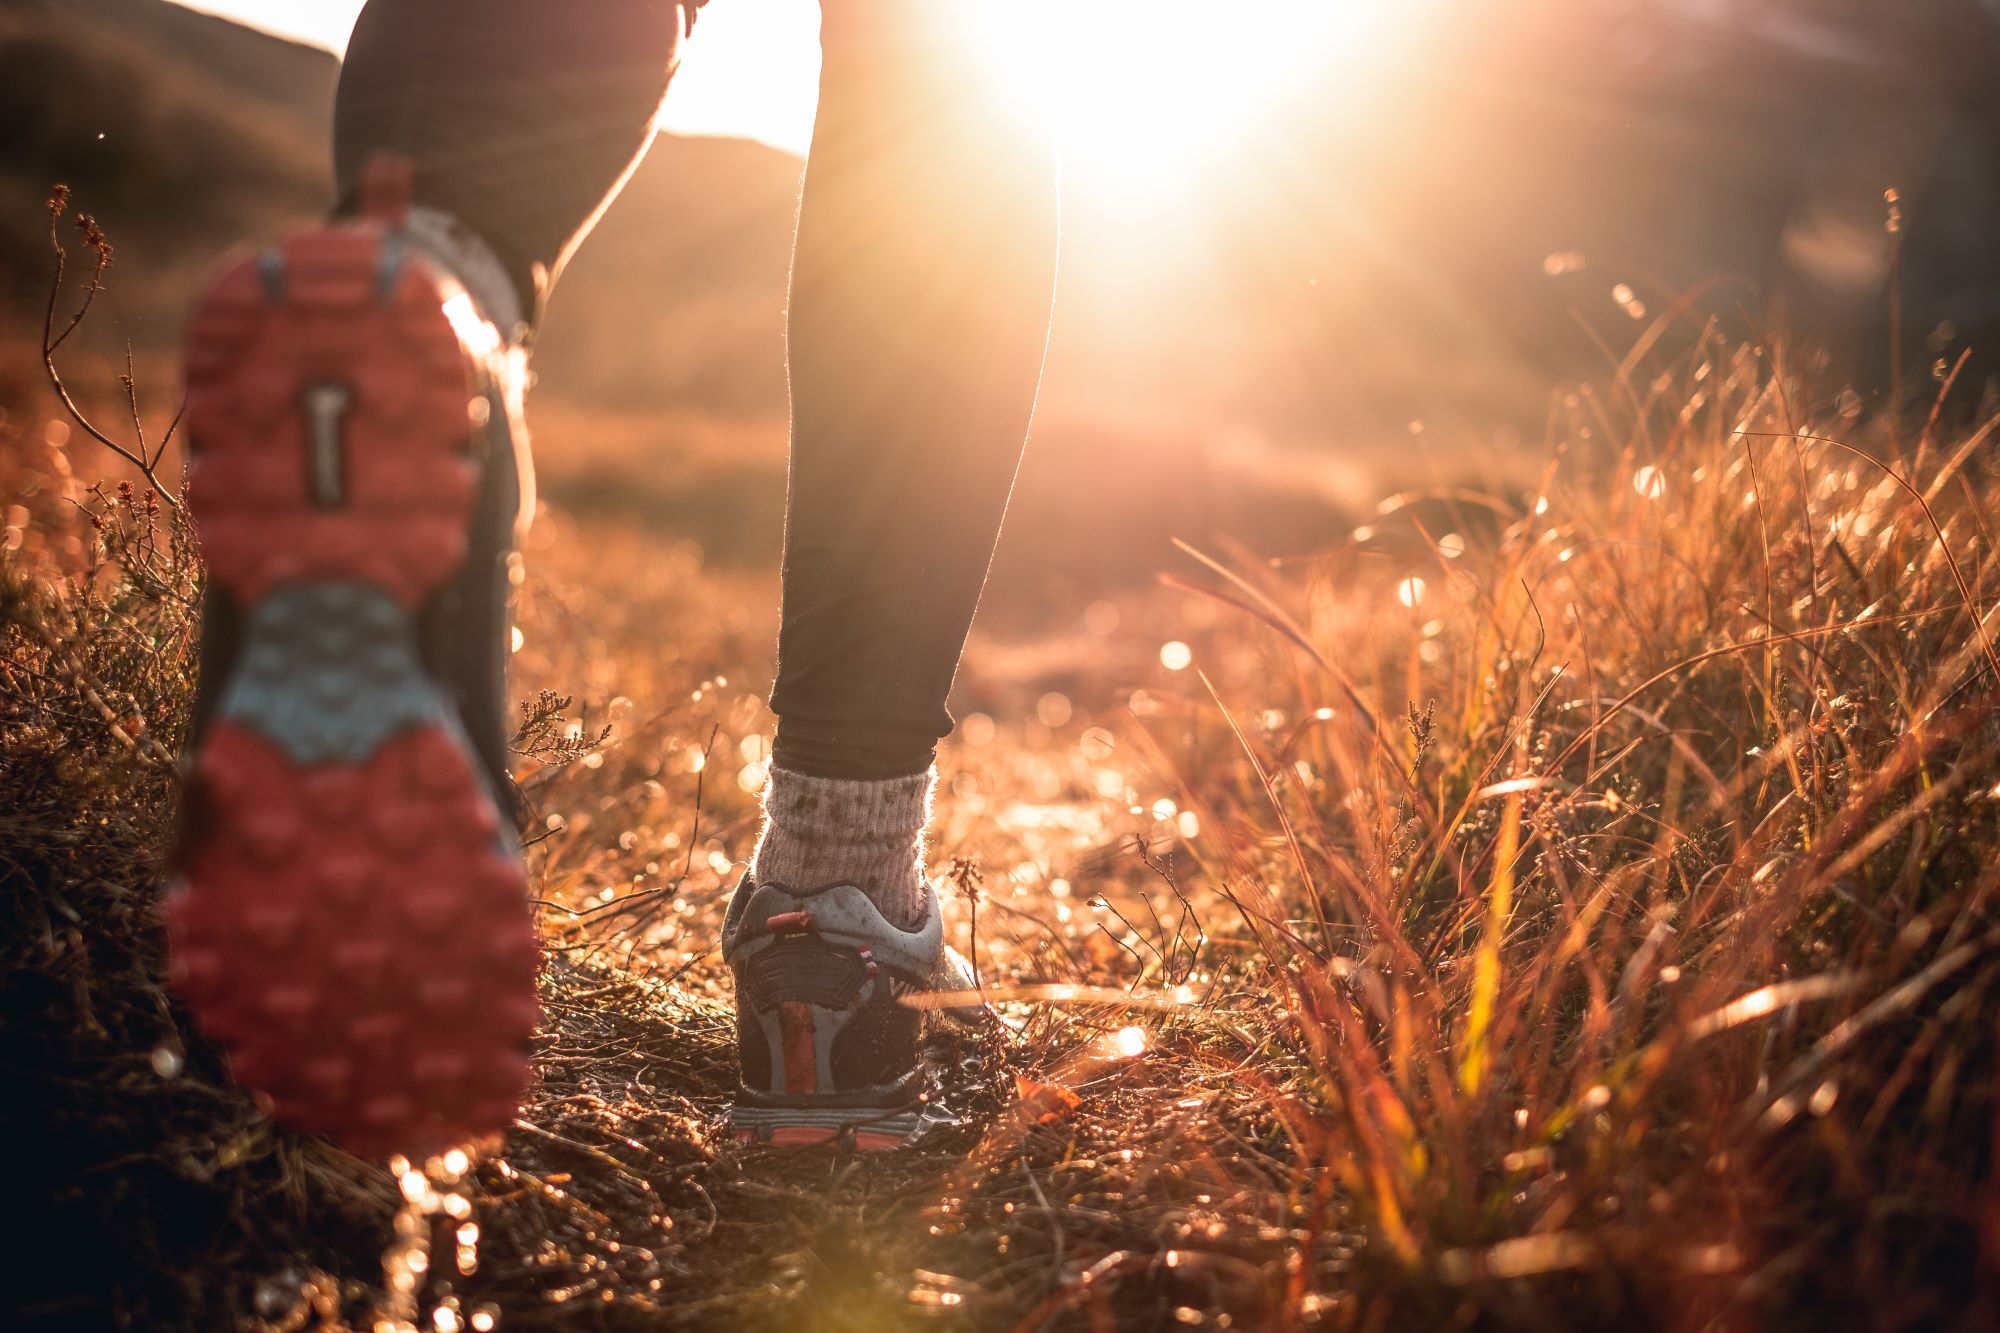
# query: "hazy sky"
{"type": "Point", "coordinates": [1112, 76]}
{"type": "Point", "coordinates": [752, 68]}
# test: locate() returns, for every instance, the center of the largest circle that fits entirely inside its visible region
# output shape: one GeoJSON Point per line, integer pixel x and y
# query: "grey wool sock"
{"type": "Point", "coordinates": [822, 831]}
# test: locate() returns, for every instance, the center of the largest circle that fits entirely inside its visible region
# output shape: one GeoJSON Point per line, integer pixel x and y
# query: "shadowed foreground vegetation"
{"type": "Point", "coordinates": [1565, 909]}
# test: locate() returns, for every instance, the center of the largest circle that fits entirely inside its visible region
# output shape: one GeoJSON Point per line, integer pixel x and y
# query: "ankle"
{"type": "Point", "coordinates": [823, 831]}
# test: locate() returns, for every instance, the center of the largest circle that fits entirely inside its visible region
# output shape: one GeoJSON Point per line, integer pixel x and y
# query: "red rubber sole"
{"type": "Point", "coordinates": [254, 347]}
{"type": "Point", "coordinates": [354, 930]}
{"type": "Point", "coordinates": [356, 942]}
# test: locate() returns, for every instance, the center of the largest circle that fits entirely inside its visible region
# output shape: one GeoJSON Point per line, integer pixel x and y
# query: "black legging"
{"type": "Point", "coordinates": [921, 287]}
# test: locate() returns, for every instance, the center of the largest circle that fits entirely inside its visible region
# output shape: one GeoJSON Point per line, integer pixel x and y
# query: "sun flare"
{"type": "Point", "coordinates": [1148, 96]}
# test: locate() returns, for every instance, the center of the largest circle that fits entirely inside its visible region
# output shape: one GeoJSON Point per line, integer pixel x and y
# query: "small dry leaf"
{"type": "Point", "coordinates": [1046, 1103]}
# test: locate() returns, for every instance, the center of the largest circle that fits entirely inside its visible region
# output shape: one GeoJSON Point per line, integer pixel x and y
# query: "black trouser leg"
{"type": "Point", "coordinates": [920, 304]}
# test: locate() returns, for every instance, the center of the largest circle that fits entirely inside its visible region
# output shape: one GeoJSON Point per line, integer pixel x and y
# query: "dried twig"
{"type": "Point", "coordinates": [146, 460]}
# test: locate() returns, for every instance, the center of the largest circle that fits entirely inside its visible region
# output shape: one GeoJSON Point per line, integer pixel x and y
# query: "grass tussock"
{"type": "Point", "coordinates": [1568, 909]}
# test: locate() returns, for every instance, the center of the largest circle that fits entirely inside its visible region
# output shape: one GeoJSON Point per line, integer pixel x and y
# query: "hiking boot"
{"type": "Point", "coordinates": [349, 917]}
{"type": "Point", "coordinates": [824, 1046]}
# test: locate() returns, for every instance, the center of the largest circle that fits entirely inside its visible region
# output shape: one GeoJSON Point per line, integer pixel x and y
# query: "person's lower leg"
{"type": "Point", "coordinates": [353, 477]}
{"type": "Point", "coordinates": [921, 290]}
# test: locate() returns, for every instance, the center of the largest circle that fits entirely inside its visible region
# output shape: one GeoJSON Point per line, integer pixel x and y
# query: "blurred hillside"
{"type": "Point", "coordinates": [185, 133]}
{"type": "Point", "coordinates": [178, 129]}
{"type": "Point", "coordinates": [1386, 293]}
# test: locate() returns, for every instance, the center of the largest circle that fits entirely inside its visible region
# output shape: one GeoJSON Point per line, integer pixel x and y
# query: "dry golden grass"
{"type": "Point", "coordinates": [1572, 908]}
{"type": "Point", "coordinates": [1609, 932]}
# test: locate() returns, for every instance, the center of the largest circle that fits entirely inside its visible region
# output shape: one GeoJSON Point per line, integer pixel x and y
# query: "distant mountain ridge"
{"type": "Point", "coordinates": [283, 75]}
{"type": "Point", "coordinates": [176, 128]}
{"type": "Point", "coordinates": [186, 133]}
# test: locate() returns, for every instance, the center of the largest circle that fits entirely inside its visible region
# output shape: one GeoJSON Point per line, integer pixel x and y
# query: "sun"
{"type": "Point", "coordinates": [1148, 96]}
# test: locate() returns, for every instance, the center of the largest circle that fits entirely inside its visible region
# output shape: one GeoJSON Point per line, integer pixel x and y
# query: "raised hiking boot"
{"type": "Point", "coordinates": [349, 918]}
{"type": "Point", "coordinates": [825, 1048]}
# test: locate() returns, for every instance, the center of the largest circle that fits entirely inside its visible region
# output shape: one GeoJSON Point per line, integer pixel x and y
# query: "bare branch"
{"type": "Point", "coordinates": [146, 462]}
